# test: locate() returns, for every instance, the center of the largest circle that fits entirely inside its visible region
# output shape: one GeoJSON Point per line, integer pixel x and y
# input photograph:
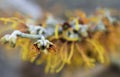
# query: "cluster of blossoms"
{"type": "Point", "coordinates": [78, 41]}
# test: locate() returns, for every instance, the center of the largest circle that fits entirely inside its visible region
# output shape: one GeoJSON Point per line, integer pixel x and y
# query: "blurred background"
{"type": "Point", "coordinates": [10, 61]}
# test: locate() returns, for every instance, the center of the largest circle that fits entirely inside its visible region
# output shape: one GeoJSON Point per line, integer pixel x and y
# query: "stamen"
{"type": "Point", "coordinates": [71, 53]}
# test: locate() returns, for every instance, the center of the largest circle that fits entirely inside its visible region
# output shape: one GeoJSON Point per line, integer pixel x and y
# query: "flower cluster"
{"type": "Point", "coordinates": [78, 41]}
